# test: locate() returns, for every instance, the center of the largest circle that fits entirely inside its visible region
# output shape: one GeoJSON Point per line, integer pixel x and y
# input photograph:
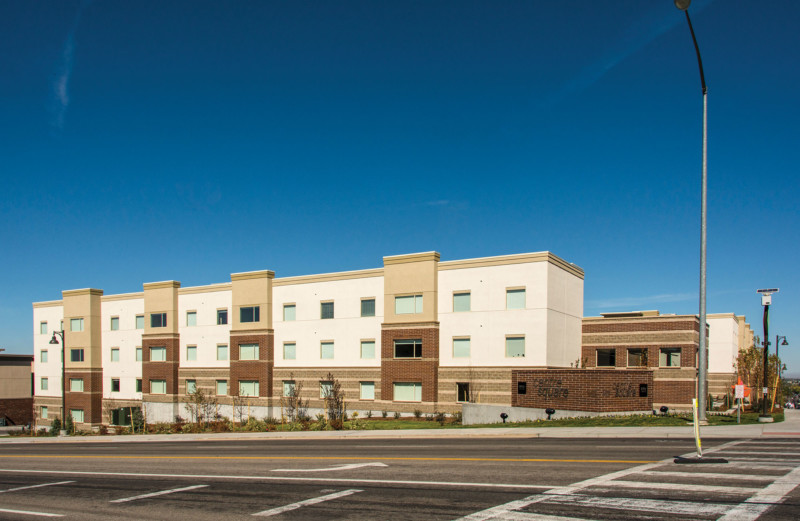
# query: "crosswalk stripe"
{"type": "Point", "coordinates": [643, 505]}
{"type": "Point", "coordinates": [679, 486]}
{"type": "Point", "coordinates": [707, 475]}
{"type": "Point", "coordinates": [753, 507]}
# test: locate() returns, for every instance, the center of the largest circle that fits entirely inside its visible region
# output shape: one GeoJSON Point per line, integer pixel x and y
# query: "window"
{"type": "Point", "coordinates": [250, 314]}
{"type": "Point", "coordinates": [368, 349]}
{"type": "Point", "coordinates": [44, 412]}
{"type": "Point", "coordinates": [191, 353]}
{"type": "Point", "coordinates": [408, 305]}
{"type": "Point", "coordinates": [408, 348]}
{"type": "Point", "coordinates": [115, 385]}
{"type": "Point", "coordinates": [248, 351]}
{"type": "Point", "coordinates": [138, 385]}
{"type": "Point", "coordinates": [289, 351]}
{"type": "Point", "coordinates": [606, 357]}
{"type": "Point", "coordinates": [515, 299]}
{"type": "Point", "coordinates": [158, 387]}
{"type": "Point", "coordinates": [222, 387]}
{"type": "Point", "coordinates": [462, 392]}
{"type": "Point", "coordinates": [158, 320]}
{"type": "Point", "coordinates": [408, 392]}
{"type": "Point", "coordinates": [114, 323]}
{"type": "Point", "coordinates": [288, 387]}
{"type": "Point", "coordinates": [77, 415]}
{"type": "Point", "coordinates": [222, 352]}
{"type": "Point", "coordinates": [461, 347]}
{"type": "Point", "coordinates": [669, 357]}
{"type": "Point", "coordinates": [326, 350]}
{"type": "Point", "coordinates": [43, 356]}
{"type": "Point", "coordinates": [248, 387]}
{"type": "Point", "coordinates": [222, 317]}
{"type": "Point", "coordinates": [637, 357]}
{"type": "Point", "coordinates": [515, 346]}
{"type": "Point", "coordinates": [325, 388]}
{"type": "Point", "coordinates": [76, 324]}
{"type": "Point", "coordinates": [76, 355]}
{"type": "Point", "coordinates": [44, 384]}
{"type": "Point", "coordinates": [191, 318]}
{"type": "Point", "coordinates": [139, 321]}
{"type": "Point", "coordinates": [158, 354]}
{"type": "Point", "coordinates": [289, 312]}
{"type": "Point", "coordinates": [368, 307]}
{"type": "Point", "coordinates": [326, 310]}
{"type": "Point", "coordinates": [115, 354]}
{"type": "Point", "coordinates": [42, 328]}
{"type": "Point", "coordinates": [367, 391]}
{"type": "Point", "coordinates": [461, 302]}
{"type": "Point", "coordinates": [76, 385]}
{"type": "Point", "coordinates": [61, 328]}
{"type": "Point", "coordinates": [191, 386]}
{"type": "Point", "coordinates": [138, 354]}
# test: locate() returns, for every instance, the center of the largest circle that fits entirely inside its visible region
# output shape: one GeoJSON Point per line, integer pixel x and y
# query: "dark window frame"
{"type": "Point", "coordinates": [222, 317]}
{"type": "Point", "coordinates": [76, 355]}
{"type": "Point", "coordinates": [249, 314]}
{"type": "Point", "coordinates": [406, 344]}
{"type": "Point", "coordinates": [158, 320]}
{"type": "Point", "coordinates": [611, 358]}
{"type": "Point", "coordinates": [326, 310]}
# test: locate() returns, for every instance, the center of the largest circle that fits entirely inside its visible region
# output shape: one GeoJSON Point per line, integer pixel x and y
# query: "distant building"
{"type": "Point", "coordinates": [415, 334]}
{"type": "Point", "coordinates": [16, 389]}
{"type": "Point", "coordinates": [727, 335]}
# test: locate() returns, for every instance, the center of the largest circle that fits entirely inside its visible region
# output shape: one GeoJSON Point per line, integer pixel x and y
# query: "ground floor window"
{"type": "Point", "coordinates": [248, 387]}
{"type": "Point", "coordinates": [77, 415]}
{"type": "Point", "coordinates": [408, 391]}
{"type": "Point", "coordinates": [325, 388]}
{"type": "Point", "coordinates": [122, 415]}
{"type": "Point", "coordinates": [288, 387]}
{"type": "Point", "coordinates": [191, 386]}
{"type": "Point", "coordinates": [44, 412]}
{"type": "Point", "coordinates": [367, 391]}
{"type": "Point", "coordinates": [462, 392]}
{"type": "Point", "coordinates": [222, 387]}
{"type": "Point", "coordinates": [606, 357]}
{"type": "Point", "coordinates": [669, 357]}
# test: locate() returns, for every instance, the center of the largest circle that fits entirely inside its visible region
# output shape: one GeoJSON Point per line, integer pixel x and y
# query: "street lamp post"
{"type": "Point", "coordinates": [766, 301]}
{"type": "Point", "coordinates": [778, 343]}
{"type": "Point", "coordinates": [702, 373]}
{"type": "Point", "coordinates": [54, 340]}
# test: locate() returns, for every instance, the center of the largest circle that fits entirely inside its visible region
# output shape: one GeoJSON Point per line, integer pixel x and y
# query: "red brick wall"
{"type": "Point", "coordinates": [424, 370]}
{"type": "Point", "coordinates": [583, 390]}
{"type": "Point", "coordinates": [260, 369]}
{"type": "Point", "coordinates": [18, 411]}
{"type": "Point", "coordinates": [649, 324]}
{"type": "Point", "coordinates": [688, 354]}
{"type": "Point", "coordinates": [675, 392]}
{"type": "Point", "coordinates": [91, 399]}
{"type": "Point", "coordinates": [167, 370]}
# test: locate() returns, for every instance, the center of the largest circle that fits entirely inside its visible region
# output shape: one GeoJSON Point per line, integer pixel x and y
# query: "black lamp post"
{"type": "Point", "coordinates": [766, 301]}
{"type": "Point", "coordinates": [702, 374]}
{"type": "Point", "coordinates": [779, 341]}
{"type": "Point", "coordinates": [54, 341]}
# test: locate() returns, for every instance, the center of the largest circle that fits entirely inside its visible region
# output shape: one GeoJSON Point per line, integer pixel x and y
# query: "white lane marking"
{"type": "Point", "coordinates": [530, 516]}
{"type": "Point", "coordinates": [752, 466]}
{"type": "Point", "coordinates": [159, 493]}
{"type": "Point", "coordinates": [336, 467]}
{"type": "Point", "coordinates": [689, 508]}
{"type": "Point", "coordinates": [759, 453]}
{"type": "Point", "coordinates": [679, 486]}
{"type": "Point", "coordinates": [707, 475]}
{"type": "Point", "coordinates": [29, 513]}
{"type": "Point", "coordinates": [312, 501]}
{"type": "Point", "coordinates": [35, 486]}
{"type": "Point", "coordinates": [289, 478]}
{"type": "Point", "coordinates": [764, 499]}
{"type": "Point", "coordinates": [765, 460]}
{"type": "Point", "coordinates": [507, 510]}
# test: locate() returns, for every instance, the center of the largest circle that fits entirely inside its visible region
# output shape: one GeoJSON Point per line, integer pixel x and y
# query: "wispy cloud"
{"type": "Point", "coordinates": [61, 83]}
{"type": "Point", "coordinates": [633, 303]}
{"type": "Point", "coordinates": [438, 202]}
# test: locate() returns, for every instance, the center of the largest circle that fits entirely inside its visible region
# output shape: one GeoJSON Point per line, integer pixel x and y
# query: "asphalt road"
{"type": "Point", "coordinates": [542, 478]}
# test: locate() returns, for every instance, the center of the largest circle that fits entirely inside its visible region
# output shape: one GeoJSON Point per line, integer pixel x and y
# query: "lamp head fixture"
{"type": "Point", "coordinates": [683, 5]}
{"type": "Point", "coordinates": [784, 343]}
{"type": "Point", "coordinates": [54, 340]}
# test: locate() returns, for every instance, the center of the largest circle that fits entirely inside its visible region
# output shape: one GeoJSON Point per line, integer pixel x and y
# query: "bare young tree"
{"type": "Point", "coordinates": [296, 408]}
{"type": "Point", "coordinates": [334, 402]}
{"type": "Point", "coordinates": [239, 407]}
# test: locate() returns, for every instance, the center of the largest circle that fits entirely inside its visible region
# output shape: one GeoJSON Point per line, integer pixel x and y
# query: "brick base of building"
{"type": "Point", "coordinates": [17, 411]}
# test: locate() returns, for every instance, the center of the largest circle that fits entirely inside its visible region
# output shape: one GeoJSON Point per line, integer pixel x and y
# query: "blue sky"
{"type": "Point", "coordinates": [144, 141]}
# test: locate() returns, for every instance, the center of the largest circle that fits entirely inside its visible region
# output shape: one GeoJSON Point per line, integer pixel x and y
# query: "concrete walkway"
{"type": "Point", "coordinates": [789, 428]}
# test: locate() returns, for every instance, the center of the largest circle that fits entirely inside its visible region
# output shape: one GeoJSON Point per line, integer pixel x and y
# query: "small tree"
{"type": "Point", "coordinates": [334, 402]}
{"type": "Point", "coordinates": [296, 408]}
{"type": "Point", "coordinates": [69, 425]}
{"type": "Point", "coordinates": [239, 405]}
{"type": "Point", "coordinates": [55, 426]}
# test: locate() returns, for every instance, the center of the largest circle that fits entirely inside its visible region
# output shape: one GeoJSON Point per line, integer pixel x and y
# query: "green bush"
{"type": "Point", "coordinates": [69, 425]}
{"type": "Point", "coordinates": [397, 415]}
{"type": "Point", "coordinates": [55, 426]}
{"type": "Point", "coordinates": [417, 413]}
{"type": "Point", "coordinates": [384, 413]}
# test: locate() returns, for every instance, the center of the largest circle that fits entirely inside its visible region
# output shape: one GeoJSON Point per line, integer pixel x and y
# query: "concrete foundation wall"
{"type": "Point", "coordinates": [477, 413]}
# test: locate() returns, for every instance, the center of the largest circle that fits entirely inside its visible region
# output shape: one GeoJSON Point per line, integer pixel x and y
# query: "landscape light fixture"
{"type": "Point", "coordinates": [54, 341]}
{"type": "Point", "coordinates": [702, 372]}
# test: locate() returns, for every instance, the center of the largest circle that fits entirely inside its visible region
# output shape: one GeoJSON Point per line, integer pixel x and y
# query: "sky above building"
{"type": "Point", "coordinates": [154, 140]}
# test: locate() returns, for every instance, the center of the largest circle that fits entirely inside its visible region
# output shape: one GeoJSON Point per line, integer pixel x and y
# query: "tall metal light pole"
{"type": "Point", "coordinates": [766, 300]}
{"type": "Point", "coordinates": [702, 372]}
{"type": "Point", "coordinates": [54, 340]}
{"type": "Point", "coordinates": [778, 344]}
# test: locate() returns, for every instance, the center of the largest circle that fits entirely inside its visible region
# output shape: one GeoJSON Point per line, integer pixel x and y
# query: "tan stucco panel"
{"type": "Point", "coordinates": [85, 304]}
{"type": "Point", "coordinates": [161, 297]}
{"type": "Point", "coordinates": [252, 288]}
{"type": "Point", "coordinates": [414, 274]}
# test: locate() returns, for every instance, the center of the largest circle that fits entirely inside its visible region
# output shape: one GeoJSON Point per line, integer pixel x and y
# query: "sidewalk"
{"type": "Point", "coordinates": [790, 427]}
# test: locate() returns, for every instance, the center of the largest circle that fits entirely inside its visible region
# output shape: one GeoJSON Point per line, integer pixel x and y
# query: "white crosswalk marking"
{"type": "Point", "coordinates": [580, 501]}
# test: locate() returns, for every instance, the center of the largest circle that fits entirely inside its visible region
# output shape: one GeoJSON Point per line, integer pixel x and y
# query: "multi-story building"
{"type": "Point", "coordinates": [415, 334]}
{"type": "Point", "coordinates": [727, 335]}
{"type": "Point", "coordinates": [16, 389]}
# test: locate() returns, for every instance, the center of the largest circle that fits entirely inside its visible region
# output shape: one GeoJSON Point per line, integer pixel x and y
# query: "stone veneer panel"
{"type": "Point", "coordinates": [350, 379]}
{"type": "Point", "coordinates": [583, 390]}
{"type": "Point", "coordinates": [424, 370]}
{"type": "Point", "coordinates": [488, 385]}
{"type": "Point", "coordinates": [260, 369]}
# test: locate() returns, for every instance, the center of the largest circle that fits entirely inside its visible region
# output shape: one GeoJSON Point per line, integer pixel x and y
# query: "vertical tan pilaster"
{"type": "Point", "coordinates": [249, 290]}
{"type": "Point", "coordinates": [84, 304]}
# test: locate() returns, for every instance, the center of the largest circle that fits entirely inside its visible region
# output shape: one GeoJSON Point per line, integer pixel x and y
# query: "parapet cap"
{"type": "Point", "coordinates": [412, 257]}
{"type": "Point", "coordinates": [249, 275]}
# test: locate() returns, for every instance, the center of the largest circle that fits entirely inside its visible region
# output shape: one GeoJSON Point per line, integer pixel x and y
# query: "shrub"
{"type": "Point", "coordinates": [457, 417]}
{"type": "Point", "coordinates": [440, 417]}
{"type": "Point", "coordinates": [103, 430]}
{"type": "Point", "coordinates": [397, 415]}
{"type": "Point", "coordinates": [384, 413]}
{"type": "Point", "coordinates": [55, 426]}
{"type": "Point", "coordinates": [417, 413]}
{"type": "Point", "coordinates": [69, 425]}
{"type": "Point", "coordinates": [369, 414]}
